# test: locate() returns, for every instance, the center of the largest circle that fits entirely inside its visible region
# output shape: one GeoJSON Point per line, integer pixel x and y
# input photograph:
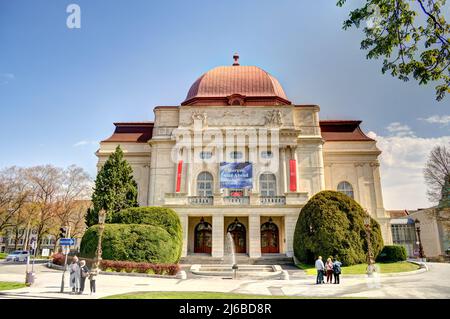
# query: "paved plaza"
{"type": "Point", "coordinates": [434, 283]}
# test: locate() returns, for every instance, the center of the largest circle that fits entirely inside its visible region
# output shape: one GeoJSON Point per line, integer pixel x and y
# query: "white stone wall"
{"type": "Point", "coordinates": [357, 163]}
{"type": "Point", "coordinates": [319, 166]}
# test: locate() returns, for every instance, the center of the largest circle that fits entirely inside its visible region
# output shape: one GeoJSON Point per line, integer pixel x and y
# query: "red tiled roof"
{"type": "Point", "coordinates": [342, 130]}
{"type": "Point", "coordinates": [250, 82]}
{"type": "Point", "coordinates": [132, 132]}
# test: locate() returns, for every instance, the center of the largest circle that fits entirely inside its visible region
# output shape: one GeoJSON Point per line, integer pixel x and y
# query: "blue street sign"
{"type": "Point", "coordinates": [67, 241]}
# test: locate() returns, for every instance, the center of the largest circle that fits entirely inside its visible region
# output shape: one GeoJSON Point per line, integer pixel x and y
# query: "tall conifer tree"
{"type": "Point", "coordinates": [115, 188]}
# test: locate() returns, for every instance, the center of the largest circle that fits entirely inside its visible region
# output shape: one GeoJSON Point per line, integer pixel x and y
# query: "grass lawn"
{"type": "Point", "coordinates": [6, 285]}
{"type": "Point", "coordinates": [401, 266]}
{"type": "Point", "coordinates": [199, 295]}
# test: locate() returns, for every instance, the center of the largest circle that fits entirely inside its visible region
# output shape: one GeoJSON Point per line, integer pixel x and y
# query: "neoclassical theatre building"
{"type": "Point", "coordinates": [237, 156]}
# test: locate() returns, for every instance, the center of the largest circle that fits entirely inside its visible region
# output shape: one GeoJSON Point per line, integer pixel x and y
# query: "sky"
{"type": "Point", "coordinates": [61, 89]}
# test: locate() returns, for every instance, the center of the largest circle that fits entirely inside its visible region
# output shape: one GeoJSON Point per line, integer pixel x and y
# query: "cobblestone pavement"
{"type": "Point", "coordinates": [434, 283]}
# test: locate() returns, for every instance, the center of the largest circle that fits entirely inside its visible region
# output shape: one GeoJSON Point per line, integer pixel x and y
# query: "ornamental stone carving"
{"type": "Point", "coordinates": [199, 116]}
{"type": "Point", "coordinates": [274, 117]}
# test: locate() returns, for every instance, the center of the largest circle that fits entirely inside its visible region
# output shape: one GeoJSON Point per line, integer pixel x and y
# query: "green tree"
{"type": "Point", "coordinates": [91, 217]}
{"type": "Point", "coordinates": [412, 36]}
{"type": "Point", "coordinates": [332, 224]}
{"type": "Point", "coordinates": [115, 189]}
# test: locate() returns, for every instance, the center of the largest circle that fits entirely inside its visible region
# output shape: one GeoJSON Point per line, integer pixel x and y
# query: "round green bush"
{"type": "Point", "coordinates": [163, 221]}
{"type": "Point", "coordinates": [392, 253]}
{"type": "Point", "coordinates": [157, 216]}
{"type": "Point", "coordinates": [132, 242]}
{"type": "Point", "coordinates": [332, 224]}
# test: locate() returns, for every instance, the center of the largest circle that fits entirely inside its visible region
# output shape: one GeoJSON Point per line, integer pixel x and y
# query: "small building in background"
{"type": "Point", "coordinates": [433, 233]}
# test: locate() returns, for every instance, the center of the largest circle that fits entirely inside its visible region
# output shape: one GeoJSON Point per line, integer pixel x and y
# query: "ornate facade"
{"type": "Point", "coordinates": [240, 114]}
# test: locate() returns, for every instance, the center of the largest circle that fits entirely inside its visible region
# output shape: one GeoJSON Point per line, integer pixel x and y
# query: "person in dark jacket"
{"type": "Point", "coordinates": [337, 270]}
{"type": "Point", "coordinates": [84, 273]}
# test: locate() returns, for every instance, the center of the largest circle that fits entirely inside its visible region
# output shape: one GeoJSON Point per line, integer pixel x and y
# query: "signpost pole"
{"type": "Point", "coordinates": [65, 265]}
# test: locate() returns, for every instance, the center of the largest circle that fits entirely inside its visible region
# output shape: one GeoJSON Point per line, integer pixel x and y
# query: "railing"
{"type": "Point", "coordinates": [236, 200]}
{"type": "Point", "coordinates": [201, 200]}
{"type": "Point", "coordinates": [272, 200]}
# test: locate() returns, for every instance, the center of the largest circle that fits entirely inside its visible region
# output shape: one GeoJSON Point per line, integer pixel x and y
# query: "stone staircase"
{"type": "Point", "coordinates": [241, 259]}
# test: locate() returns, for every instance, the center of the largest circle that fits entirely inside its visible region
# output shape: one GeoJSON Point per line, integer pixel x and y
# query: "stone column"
{"type": "Point", "coordinates": [189, 170]}
{"type": "Point", "coordinates": [253, 158]}
{"type": "Point", "coordinates": [378, 192]}
{"type": "Point", "coordinates": [361, 187]}
{"type": "Point", "coordinates": [254, 233]}
{"type": "Point", "coordinates": [217, 235]}
{"type": "Point", "coordinates": [289, 228]}
{"type": "Point", "coordinates": [184, 225]}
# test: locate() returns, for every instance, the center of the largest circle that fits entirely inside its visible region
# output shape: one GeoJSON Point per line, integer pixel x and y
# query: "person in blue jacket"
{"type": "Point", "coordinates": [337, 270]}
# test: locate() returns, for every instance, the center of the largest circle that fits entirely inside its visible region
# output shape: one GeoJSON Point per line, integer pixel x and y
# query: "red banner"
{"type": "Point", "coordinates": [292, 175]}
{"type": "Point", "coordinates": [179, 171]}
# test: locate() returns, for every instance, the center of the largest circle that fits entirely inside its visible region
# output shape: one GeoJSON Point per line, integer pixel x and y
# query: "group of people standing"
{"type": "Point", "coordinates": [79, 272]}
{"type": "Point", "coordinates": [330, 269]}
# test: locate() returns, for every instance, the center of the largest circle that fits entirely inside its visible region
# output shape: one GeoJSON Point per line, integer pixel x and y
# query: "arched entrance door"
{"type": "Point", "coordinates": [238, 232]}
{"type": "Point", "coordinates": [203, 237]}
{"type": "Point", "coordinates": [270, 238]}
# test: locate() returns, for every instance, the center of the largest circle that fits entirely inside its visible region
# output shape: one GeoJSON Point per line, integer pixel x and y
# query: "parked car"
{"type": "Point", "coordinates": [18, 256]}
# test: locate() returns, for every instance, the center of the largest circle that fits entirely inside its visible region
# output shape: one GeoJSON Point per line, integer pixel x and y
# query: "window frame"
{"type": "Point", "coordinates": [205, 186]}
{"type": "Point", "coordinates": [345, 190]}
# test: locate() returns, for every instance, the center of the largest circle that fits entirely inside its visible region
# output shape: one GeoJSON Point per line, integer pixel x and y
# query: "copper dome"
{"type": "Point", "coordinates": [236, 85]}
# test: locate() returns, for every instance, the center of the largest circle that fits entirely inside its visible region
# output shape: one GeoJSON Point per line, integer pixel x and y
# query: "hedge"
{"type": "Point", "coordinates": [392, 253]}
{"type": "Point", "coordinates": [146, 268]}
{"type": "Point", "coordinates": [59, 259]}
{"type": "Point", "coordinates": [156, 216]}
{"type": "Point", "coordinates": [332, 224]}
{"type": "Point", "coordinates": [142, 243]}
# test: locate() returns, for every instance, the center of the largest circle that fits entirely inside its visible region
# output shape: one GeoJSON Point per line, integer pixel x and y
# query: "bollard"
{"type": "Point", "coordinates": [181, 275]}
{"type": "Point", "coordinates": [29, 280]}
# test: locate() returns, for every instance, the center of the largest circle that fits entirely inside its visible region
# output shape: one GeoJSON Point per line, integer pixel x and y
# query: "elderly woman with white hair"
{"type": "Point", "coordinates": [84, 273]}
{"type": "Point", "coordinates": [74, 269]}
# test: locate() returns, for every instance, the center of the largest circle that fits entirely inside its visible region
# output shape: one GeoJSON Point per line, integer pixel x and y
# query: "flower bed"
{"type": "Point", "coordinates": [58, 259]}
{"type": "Point", "coordinates": [144, 268]}
{"type": "Point", "coordinates": [124, 266]}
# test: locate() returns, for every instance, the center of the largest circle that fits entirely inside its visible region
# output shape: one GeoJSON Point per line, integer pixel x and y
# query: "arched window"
{"type": "Point", "coordinates": [345, 188]}
{"type": "Point", "coordinates": [205, 184]}
{"type": "Point", "coordinates": [268, 184]}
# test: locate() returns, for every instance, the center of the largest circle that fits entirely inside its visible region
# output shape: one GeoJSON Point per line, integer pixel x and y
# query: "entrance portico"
{"type": "Point", "coordinates": [254, 234]}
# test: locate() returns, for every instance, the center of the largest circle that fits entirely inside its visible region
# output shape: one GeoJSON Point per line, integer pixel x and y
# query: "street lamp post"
{"type": "Point", "coordinates": [98, 252]}
{"type": "Point", "coordinates": [417, 224]}
{"type": "Point", "coordinates": [370, 263]}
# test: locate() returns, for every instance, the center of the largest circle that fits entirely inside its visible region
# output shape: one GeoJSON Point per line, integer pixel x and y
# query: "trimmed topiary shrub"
{"type": "Point", "coordinates": [162, 217]}
{"type": "Point", "coordinates": [156, 216]}
{"type": "Point", "coordinates": [392, 253]}
{"type": "Point", "coordinates": [332, 224]}
{"type": "Point", "coordinates": [141, 243]}
{"type": "Point", "coordinates": [143, 234]}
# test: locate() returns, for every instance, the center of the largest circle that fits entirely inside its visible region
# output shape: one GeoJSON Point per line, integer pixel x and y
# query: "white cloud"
{"type": "Point", "coordinates": [436, 119]}
{"type": "Point", "coordinates": [398, 129]}
{"type": "Point", "coordinates": [402, 163]}
{"type": "Point", "coordinates": [84, 143]}
{"type": "Point", "coordinates": [5, 78]}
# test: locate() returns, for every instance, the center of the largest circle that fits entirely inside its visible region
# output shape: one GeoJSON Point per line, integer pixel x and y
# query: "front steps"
{"type": "Point", "coordinates": [241, 259]}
